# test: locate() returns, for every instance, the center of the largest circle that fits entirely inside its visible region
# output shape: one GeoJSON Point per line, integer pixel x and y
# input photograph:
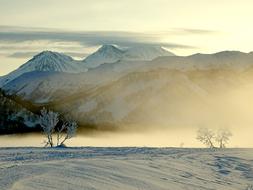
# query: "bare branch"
{"type": "Point", "coordinates": [48, 121]}
{"type": "Point", "coordinates": [71, 131]}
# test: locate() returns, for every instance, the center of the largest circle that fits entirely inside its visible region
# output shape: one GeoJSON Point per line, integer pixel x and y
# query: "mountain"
{"type": "Point", "coordinates": [46, 61]}
{"type": "Point", "coordinates": [112, 54]}
{"type": "Point", "coordinates": [105, 54]}
{"type": "Point", "coordinates": [51, 86]}
{"type": "Point", "coordinates": [231, 60]}
{"type": "Point", "coordinates": [165, 91]}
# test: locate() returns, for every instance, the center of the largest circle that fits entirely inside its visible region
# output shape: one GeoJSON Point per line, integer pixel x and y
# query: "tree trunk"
{"type": "Point", "coordinates": [221, 144]}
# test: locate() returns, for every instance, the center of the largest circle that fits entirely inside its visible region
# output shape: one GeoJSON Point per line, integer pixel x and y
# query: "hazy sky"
{"type": "Point", "coordinates": [78, 27]}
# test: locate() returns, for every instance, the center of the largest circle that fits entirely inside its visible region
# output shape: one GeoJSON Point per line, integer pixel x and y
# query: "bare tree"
{"type": "Point", "coordinates": [60, 132]}
{"type": "Point", "coordinates": [206, 136]}
{"type": "Point", "coordinates": [70, 131]}
{"type": "Point", "coordinates": [222, 137]}
{"type": "Point", "coordinates": [48, 121]}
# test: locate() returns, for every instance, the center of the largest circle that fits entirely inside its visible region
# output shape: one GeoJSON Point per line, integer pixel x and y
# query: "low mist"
{"type": "Point", "coordinates": [174, 113]}
{"type": "Point", "coordinates": [169, 115]}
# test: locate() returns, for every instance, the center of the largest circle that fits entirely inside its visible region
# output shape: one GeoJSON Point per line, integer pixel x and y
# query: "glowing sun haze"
{"type": "Point", "coordinates": [78, 27]}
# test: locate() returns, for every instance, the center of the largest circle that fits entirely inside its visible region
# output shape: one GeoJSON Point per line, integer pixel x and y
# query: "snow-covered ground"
{"type": "Point", "coordinates": [93, 168]}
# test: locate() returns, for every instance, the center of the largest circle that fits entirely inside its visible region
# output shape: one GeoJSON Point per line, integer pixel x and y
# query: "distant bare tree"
{"type": "Point", "coordinates": [249, 187]}
{"type": "Point", "coordinates": [222, 137]}
{"type": "Point", "coordinates": [48, 121]}
{"type": "Point", "coordinates": [206, 136]}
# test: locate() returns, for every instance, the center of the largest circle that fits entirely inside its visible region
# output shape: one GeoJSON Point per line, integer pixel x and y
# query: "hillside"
{"type": "Point", "coordinates": [15, 118]}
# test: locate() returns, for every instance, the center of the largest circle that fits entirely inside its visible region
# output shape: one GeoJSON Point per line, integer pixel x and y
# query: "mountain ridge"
{"type": "Point", "coordinates": [111, 54]}
{"type": "Point", "coordinates": [50, 61]}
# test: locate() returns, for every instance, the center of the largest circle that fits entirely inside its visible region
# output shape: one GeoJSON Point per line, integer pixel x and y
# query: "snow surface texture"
{"type": "Point", "coordinates": [125, 168]}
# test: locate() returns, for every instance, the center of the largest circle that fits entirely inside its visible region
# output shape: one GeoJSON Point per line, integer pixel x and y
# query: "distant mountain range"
{"type": "Point", "coordinates": [57, 62]}
{"type": "Point", "coordinates": [142, 85]}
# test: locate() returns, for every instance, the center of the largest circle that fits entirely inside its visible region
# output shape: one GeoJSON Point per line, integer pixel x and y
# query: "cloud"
{"type": "Point", "coordinates": [25, 42]}
{"type": "Point", "coordinates": [88, 38]}
{"type": "Point", "coordinates": [187, 32]}
{"type": "Point", "coordinates": [22, 54]}
{"type": "Point", "coordinates": [32, 53]}
{"type": "Point", "coordinates": [190, 31]}
{"type": "Point", "coordinates": [76, 54]}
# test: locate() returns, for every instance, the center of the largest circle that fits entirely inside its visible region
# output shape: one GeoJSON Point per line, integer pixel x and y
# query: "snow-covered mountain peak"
{"type": "Point", "coordinates": [105, 54]}
{"type": "Point", "coordinates": [46, 61]}
{"type": "Point", "coordinates": [111, 54]}
{"type": "Point", "coordinates": [51, 55]}
{"type": "Point", "coordinates": [109, 49]}
{"type": "Point", "coordinates": [48, 53]}
{"type": "Point", "coordinates": [146, 52]}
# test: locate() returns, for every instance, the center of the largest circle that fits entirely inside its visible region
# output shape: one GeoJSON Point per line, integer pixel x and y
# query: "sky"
{"type": "Point", "coordinates": [79, 27]}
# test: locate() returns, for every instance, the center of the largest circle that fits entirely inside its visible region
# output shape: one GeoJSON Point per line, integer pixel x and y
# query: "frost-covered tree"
{"type": "Point", "coordinates": [206, 136]}
{"type": "Point", "coordinates": [222, 137]}
{"type": "Point", "coordinates": [66, 131]}
{"type": "Point", "coordinates": [48, 122]}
